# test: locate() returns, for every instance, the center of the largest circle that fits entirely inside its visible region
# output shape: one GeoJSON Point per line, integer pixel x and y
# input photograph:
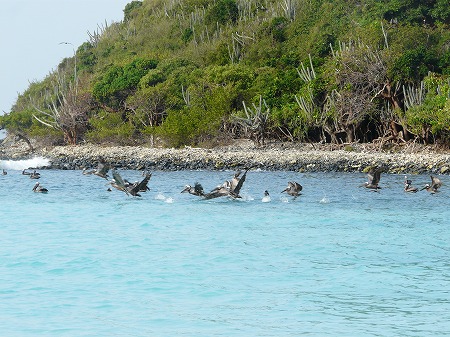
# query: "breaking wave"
{"type": "Point", "coordinates": [35, 162]}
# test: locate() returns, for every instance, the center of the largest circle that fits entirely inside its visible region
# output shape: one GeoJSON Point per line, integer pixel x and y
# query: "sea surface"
{"type": "Point", "coordinates": [337, 261]}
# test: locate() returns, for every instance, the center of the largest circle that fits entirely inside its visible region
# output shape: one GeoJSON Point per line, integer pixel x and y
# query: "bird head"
{"type": "Point", "coordinates": [186, 189]}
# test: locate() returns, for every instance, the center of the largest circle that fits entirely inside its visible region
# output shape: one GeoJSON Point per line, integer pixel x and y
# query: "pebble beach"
{"type": "Point", "coordinates": [274, 156]}
{"type": "Point", "coordinates": [271, 157]}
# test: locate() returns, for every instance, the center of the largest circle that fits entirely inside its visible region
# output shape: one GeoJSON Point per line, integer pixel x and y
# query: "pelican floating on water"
{"type": "Point", "coordinates": [39, 189]}
{"type": "Point", "coordinates": [4, 172]}
{"type": "Point", "coordinates": [293, 189]}
{"type": "Point", "coordinates": [408, 188]}
{"type": "Point", "coordinates": [434, 187]}
{"type": "Point", "coordinates": [35, 175]}
{"type": "Point", "coordinates": [373, 178]}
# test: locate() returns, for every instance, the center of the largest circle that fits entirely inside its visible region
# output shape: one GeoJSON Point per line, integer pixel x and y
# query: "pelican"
{"type": "Point", "coordinates": [434, 187]}
{"type": "Point", "coordinates": [196, 190]}
{"type": "Point", "coordinates": [86, 172]}
{"type": "Point", "coordinates": [4, 172]}
{"type": "Point", "coordinates": [120, 184]}
{"type": "Point", "coordinates": [35, 175]}
{"type": "Point", "coordinates": [220, 191]}
{"type": "Point", "coordinates": [142, 185]}
{"type": "Point", "coordinates": [102, 170]}
{"type": "Point", "coordinates": [229, 188]}
{"type": "Point", "coordinates": [293, 189]}
{"type": "Point", "coordinates": [373, 179]}
{"type": "Point", "coordinates": [408, 187]}
{"type": "Point", "coordinates": [235, 180]}
{"type": "Point", "coordinates": [39, 189]}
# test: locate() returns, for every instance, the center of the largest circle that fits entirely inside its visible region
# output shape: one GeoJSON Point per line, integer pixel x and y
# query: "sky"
{"type": "Point", "coordinates": [31, 32]}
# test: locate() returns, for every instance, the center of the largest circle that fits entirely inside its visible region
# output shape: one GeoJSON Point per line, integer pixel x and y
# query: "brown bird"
{"type": "Point", "coordinates": [119, 184]}
{"type": "Point", "coordinates": [436, 183]}
{"type": "Point", "coordinates": [102, 169]}
{"type": "Point", "coordinates": [196, 190]}
{"type": "Point", "coordinates": [39, 189]}
{"type": "Point", "coordinates": [293, 189]}
{"type": "Point", "coordinates": [373, 178]}
{"type": "Point", "coordinates": [142, 185]}
{"type": "Point", "coordinates": [229, 188]}
{"type": "Point", "coordinates": [408, 188]}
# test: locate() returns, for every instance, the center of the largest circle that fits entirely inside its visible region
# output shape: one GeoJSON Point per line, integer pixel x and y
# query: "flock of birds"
{"type": "Point", "coordinates": [374, 179]}
{"type": "Point", "coordinates": [230, 188]}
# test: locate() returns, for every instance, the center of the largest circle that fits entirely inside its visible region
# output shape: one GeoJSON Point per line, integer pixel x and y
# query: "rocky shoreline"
{"type": "Point", "coordinates": [274, 157]}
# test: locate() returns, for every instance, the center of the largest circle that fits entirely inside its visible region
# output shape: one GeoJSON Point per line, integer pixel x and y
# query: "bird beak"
{"type": "Point", "coordinates": [284, 190]}
{"type": "Point", "coordinates": [185, 190]}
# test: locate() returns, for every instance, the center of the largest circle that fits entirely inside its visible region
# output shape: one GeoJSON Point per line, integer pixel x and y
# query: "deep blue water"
{"type": "Point", "coordinates": [337, 261]}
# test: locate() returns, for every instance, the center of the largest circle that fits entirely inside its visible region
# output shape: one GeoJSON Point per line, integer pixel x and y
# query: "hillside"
{"type": "Point", "coordinates": [199, 72]}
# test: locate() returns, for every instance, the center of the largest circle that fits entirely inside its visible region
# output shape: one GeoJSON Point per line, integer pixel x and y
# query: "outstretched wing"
{"type": "Point", "coordinates": [297, 187]}
{"type": "Point", "coordinates": [198, 189]}
{"type": "Point", "coordinates": [102, 169]}
{"type": "Point", "coordinates": [435, 183]}
{"type": "Point", "coordinates": [241, 181]}
{"type": "Point", "coordinates": [219, 191]}
{"type": "Point", "coordinates": [118, 182]}
{"type": "Point", "coordinates": [374, 176]}
{"type": "Point", "coordinates": [142, 186]}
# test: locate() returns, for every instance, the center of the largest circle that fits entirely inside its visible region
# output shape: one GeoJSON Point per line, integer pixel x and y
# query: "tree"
{"type": "Point", "coordinates": [118, 82]}
{"type": "Point", "coordinates": [359, 74]}
{"type": "Point", "coordinates": [254, 121]}
{"type": "Point", "coordinates": [68, 112]}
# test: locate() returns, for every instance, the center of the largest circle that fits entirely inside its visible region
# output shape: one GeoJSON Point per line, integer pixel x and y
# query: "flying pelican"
{"type": "Point", "coordinates": [373, 177]}
{"type": "Point", "coordinates": [408, 187]}
{"type": "Point", "coordinates": [39, 189]}
{"type": "Point", "coordinates": [293, 189]}
{"type": "Point", "coordinates": [196, 190]}
{"type": "Point", "coordinates": [102, 169]}
{"type": "Point", "coordinates": [86, 172]}
{"type": "Point", "coordinates": [142, 185]}
{"type": "Point", "coordinates": [118, 183]}
{"type": "Point", "coordinates": [434, 187]}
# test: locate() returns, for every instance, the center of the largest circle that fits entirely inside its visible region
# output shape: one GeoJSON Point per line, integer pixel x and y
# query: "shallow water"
{"type": "Point", "coordinates": [337, 261]}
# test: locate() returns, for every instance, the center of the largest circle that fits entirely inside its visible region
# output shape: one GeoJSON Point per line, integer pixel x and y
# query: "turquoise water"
{"type": "Point", "coordinates": [337, 261]}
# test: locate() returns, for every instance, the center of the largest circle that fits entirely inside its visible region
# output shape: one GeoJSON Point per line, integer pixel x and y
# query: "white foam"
{"type": "Point", "coordinates": [284, 199]}
{"type": "Point", "coordinates": [35, 162]}
{"type": "Point", "coordinates": [266, 198]}
{"type": "Point", "coordinates": [160, 196]}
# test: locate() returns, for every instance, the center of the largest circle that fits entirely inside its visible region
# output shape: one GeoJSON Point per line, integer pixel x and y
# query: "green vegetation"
{"type": "Point", "coordinates": [198, 72]}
